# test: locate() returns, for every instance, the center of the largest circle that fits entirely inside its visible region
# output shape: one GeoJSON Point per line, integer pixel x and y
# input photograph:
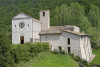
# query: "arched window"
{"type": "Point", "coordinates": [43, 13]}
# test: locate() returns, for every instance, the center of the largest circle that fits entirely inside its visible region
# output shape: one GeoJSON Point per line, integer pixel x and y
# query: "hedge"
{"type": "Point", "coordinates": [24, 52]}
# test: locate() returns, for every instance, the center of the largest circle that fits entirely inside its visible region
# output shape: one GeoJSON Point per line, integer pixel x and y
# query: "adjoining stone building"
{"type": "Point", "coordinates": [68, 37]}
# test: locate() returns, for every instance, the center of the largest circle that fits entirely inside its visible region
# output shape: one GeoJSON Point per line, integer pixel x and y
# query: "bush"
{"type": "Point", "coordinates": [20, 53]}
{"type": "Point", "coordinates": [78, 59]}
{"type": "Point", "coordinates": [55, 51]}
{"type": "Point", "coordinates": [90, 65]}
{"type": "Point", "coordinates": [84, 62]}
{"type": "Point", "coordinates": [96, 47]}
{"type": "Point", "coordinates": [61, 51]}
{"type": "Point", "coordinates": [24, 52]}
{"type": "Point", "coordinates": [73, 57]}
{"type": "Point", "coordinates": [71, 54]}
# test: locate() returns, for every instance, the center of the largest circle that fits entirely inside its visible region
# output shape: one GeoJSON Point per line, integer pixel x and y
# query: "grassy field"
{"type": "Point", "coordinates": [47, 59]}
{"type": "Point", "coordinates": [96, 60]}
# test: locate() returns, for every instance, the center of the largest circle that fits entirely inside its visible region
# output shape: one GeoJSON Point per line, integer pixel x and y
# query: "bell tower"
{"type": "Point", "coordinates": [45, 19]}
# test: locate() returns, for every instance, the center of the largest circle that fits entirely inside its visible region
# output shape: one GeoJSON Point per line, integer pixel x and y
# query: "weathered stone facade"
{"type": "Point", "coordinates": [76, 43]}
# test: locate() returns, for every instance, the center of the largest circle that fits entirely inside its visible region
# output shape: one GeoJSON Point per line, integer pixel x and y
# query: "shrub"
{"type": "Point", "coordinates": [24, 52]}
{"type": "Point", "coordinates": [78, 59]}
{"type": "Point", "coordinates": [61, 51]}
{"type": "Point", "coordinates": [55, 51]}
{"type": "Point", "coordinates": [96, 47]}
{"type": "Point", "coordinates": [20, 53]}
{"type": "Point", "coordinates": [71, 54]}
{"type": "Point", "coordinates": [90, 65]}
{"type": "Point", "coordinates": [84, 62]}
{"type": "Point", "coordinates": [45, 46]}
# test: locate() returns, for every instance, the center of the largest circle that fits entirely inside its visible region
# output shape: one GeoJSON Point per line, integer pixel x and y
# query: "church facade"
{"type": "Point", "coordinates": [26, 29]}
{"type": "Point", "coordinates": [68, 37]}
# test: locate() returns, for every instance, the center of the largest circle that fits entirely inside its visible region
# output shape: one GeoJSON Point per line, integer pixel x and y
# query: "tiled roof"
{"type": "Point", "coordinates": [77, 33]}
{"type": "Point", "coordinates": [59, 29]}
{"type": "Point", "coordinates": [56, 29]}
{"type": "Point", "coordinates": [36, 20]}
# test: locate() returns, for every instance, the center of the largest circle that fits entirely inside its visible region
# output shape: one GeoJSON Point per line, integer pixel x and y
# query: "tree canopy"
{"type": "Point", "coordinates": [62, 12]}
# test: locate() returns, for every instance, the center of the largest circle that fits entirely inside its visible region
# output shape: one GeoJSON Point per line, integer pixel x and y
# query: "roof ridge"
{"type": "Point", "coordinates": [77, 33]}
{"type": "Point", "coordinates": [21, 13]}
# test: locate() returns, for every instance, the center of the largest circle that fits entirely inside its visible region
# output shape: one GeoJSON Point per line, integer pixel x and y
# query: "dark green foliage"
{"type": "Point", "coordinates": [10, 8]}
{"type": "Point", "coordinates": [72, 55]}
{"type": "Point", "coordinates": [84, 62]}
{"type": "Point", "coordinates": [90, 65]}
{"type": "Point", "coordinates": [62, 52]}
{"type": "Point", "coordinates": [78, 59]}
{"type": "Point", "coordinates": [24, 52]}
{"type": "Point", "coordinates": [5, 56]}
{"type": "Point", "coordinates": [96, 47]}
{"type": "Point", "coordinates": [20, 52]}
{"type": "Point", "coordinates": [55, 51]}
{"type": "Point", "coordinates": [94, 16]}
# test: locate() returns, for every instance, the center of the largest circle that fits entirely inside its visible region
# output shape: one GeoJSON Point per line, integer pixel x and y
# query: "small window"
{"type": "Point", "coordinates": [15, 26]}
{"type": "Point", "coordinates": [43, 13]}
{"type": "Point", "coordinates": [28, 25]}
{"type": "Point", "coordinates": [60, 48]}
{"type": "Point", "coordinates": [71, 30]}
{"type": "Point", "coordinates": [68, 41]}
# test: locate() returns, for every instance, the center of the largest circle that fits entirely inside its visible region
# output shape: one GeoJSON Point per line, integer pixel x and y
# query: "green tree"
{"type": "Point", "coordinates": [56, 16]}
{"type": "Point", "coordinates": [5, 57]}
{"type": "Point", "coordinates": [94, 16]}
{"type": "Point", "coordinates": [94, 35]}
{"type": "Point", "coordinates": [76, 13]}
{"type": "Point", "coordinates": [85, 24]}
{"type": "Point", "coordinates": [63, 14]}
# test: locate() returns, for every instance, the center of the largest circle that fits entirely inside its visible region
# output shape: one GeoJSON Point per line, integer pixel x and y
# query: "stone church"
{"type": "Point", "coordinates": [68, 37]}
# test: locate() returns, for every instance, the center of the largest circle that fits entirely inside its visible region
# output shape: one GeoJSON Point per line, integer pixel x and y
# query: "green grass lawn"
{"type": "Point", "coordinates": [47, 59]}
{"type": "Point", "coordinates": [96, 60]}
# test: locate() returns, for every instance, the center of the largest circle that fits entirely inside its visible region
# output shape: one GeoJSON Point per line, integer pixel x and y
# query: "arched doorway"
{"type": "Point", "coordinates": [21, 39]}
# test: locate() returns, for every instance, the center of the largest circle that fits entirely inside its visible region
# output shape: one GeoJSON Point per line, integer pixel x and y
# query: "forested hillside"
{"type": "Point", "coordinates": [83, 13]}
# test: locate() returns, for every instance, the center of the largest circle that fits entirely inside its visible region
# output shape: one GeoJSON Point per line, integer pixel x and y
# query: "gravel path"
{"type": "Point", "coordinates": [93, 56]}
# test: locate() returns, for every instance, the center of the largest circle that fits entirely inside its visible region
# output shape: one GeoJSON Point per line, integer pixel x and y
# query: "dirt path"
{"type": "Point", "coordinates": [93, 56]}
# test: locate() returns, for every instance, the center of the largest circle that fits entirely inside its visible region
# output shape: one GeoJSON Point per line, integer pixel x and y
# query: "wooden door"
{"type": "Point", "coordinates": [21, 39]}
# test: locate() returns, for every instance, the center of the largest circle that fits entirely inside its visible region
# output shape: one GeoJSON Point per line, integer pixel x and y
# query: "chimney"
{"type": "Point", "coordinates": [45, 19]}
